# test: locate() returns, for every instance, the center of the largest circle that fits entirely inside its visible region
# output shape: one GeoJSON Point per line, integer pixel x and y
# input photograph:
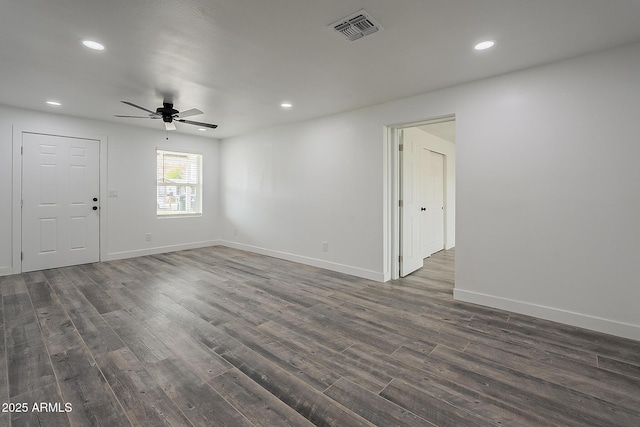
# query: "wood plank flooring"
{"type": "Point", "coordinates": [221, 337]}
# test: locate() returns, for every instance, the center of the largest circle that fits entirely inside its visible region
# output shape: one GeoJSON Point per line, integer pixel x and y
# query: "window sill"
{"type": "Point", "coordinates": [189, 215]}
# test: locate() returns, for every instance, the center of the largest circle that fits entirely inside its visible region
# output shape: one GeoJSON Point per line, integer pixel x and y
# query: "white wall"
{"type": "Point", "coordinates": [548, 189]}
{"type": "Point", "coordinates": [131, 170]}
{"type": "Point", "coordinates": [288, 190]}
{"type": "Point", "coordinates": [448, 149]}
{"type": "Point", "coordinates": [549, 192]}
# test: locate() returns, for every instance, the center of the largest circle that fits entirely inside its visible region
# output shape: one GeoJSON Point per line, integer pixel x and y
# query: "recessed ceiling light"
{"type": "Point", "coordinates": [202, 129]}
{"type": "Point", "coordinates": [93, 45]}
{"type": "Point", "coordinates": [54, 103]}
{"type": "Point", "coordinates": [487, 44]}
{"type": "Point", "coordinates": [286, 105]}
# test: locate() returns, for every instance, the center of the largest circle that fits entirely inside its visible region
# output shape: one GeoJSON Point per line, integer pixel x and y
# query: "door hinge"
{"type": "Point", "coordinates": [21, 149]}
{"type": "Point", "coordinates": [21, 256]}
{"type": "Point", "coordinates": [399, 258]}
{"type": "Point", "coordinates": [401, 147]}
{"type": "Point", "coordinates": [401, 203]}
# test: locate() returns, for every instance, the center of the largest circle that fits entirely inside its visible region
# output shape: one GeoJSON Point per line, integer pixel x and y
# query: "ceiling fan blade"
{"type": "Point", "coordinates": [142, 108]}
{"type": "Point", "coordinates": [189, 113]}
{"type": "Point", "coordinates": [135, 117]}
{"type": "Point", "coordinates": [204, 125]}
{"type": "Point", "coordinates": [169, 126]}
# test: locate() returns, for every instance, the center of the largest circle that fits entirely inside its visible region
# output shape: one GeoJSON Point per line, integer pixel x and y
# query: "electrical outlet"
{"type": "Point", "coordinates": [325, 246]}
{"type": "Point", "coordinates": [148, 236]}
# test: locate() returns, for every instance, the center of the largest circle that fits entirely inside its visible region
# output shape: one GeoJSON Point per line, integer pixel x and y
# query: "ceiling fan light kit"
{"type": "Point", "coordinates": [168, 114]}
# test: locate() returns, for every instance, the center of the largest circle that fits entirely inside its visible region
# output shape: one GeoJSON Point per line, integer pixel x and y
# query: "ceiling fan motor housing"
{"type": "Point", "coordinates": [167, 111]}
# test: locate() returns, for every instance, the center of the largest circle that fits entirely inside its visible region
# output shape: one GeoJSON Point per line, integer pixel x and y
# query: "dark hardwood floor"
{"type": "Point", "coordinates": [221, 337]}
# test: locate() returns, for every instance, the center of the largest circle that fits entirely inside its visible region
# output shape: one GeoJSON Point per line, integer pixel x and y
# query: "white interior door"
{"type": "Point", "coordinates": [410, 194]}
{"type": "Point", "coordinates": [60, 206]}
{"type": "Point", "coordinates": [432, 210]}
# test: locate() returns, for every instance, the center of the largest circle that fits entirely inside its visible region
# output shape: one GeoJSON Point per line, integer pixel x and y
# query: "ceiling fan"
{"type": "Point", "coordinates": [168, 114]}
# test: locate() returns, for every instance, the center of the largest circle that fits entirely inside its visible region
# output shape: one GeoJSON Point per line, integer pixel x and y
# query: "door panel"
{"type": "Point", "coordinates": [410, 195]}
{"type": "Point", "coordinates": [432, 239]}
{"type": "Point", "coordinates": [60, 178]}
{"type": "Point", "coordinates": [48, 239]}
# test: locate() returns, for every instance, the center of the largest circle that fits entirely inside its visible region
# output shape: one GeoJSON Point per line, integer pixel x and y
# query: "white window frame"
{"type": "Point", "coordinates": [169, 206]}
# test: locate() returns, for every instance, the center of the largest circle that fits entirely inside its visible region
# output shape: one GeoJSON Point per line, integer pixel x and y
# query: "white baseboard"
{"type": "Point", "coordinates": [340, 268]}
{"type": "Point", "coordinates": [6, 271]}
{"type": "Point", "coordinates": [160, 250]}
{"type": "Point", "coordinates": [593, 323]}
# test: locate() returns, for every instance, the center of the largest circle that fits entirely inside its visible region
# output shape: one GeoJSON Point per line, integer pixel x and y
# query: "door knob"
{"type": "Point", "coordinates": [95, 208]}
{"type": "Point", "coordinates": [95, 199]}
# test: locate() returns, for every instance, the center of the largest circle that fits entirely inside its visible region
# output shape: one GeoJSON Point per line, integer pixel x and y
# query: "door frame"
{"type": "Point", "coordinates": [392, 215]}
{"type": "Point", "coordinates": [16, 198]}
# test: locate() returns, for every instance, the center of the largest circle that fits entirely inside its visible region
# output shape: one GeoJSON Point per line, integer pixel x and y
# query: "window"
{"type": "Point", "coordinates": [179, 189]}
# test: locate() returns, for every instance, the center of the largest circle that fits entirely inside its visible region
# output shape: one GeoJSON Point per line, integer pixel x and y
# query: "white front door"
{"type": "Point", "coordinates": [60, 206]}
{"type": "Point", "coordinates": [433, 202]}
{"type": "Point", "coordinates": [410, 194]}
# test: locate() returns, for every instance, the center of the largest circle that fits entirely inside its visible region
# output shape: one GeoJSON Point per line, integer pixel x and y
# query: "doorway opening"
{"type": "Point", "coordinates": [421, 158]}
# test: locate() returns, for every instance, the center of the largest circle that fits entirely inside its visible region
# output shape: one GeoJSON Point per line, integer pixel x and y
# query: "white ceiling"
{"type": "Point", "coordinates": [445, 130]}
{"type": "Point", "coordinates": [237, 60]}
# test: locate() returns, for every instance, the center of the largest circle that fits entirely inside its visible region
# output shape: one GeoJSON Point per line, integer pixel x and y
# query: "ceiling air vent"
{"type": "Point", "coordinates": [356, 26]}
